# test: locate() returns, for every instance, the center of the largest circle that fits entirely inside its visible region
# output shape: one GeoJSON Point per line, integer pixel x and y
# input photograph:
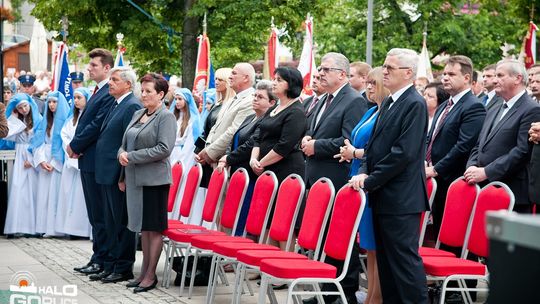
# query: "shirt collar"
{"type": "Point", "coordinates": [457, 98]}
{"type": "Point", "coordinates": [514, 99]}
{"type": "Point", "coordinates": [491, 94]}
{"type": "Point", "coordinates": [400, 92]}
{"type": "Point", "coordinates": [248, 91]}
{"type": "Point", "coordinates": [119, 100]}
{"type": "Point", "coordinates": [339, 89]}
{"type": "Point", "coordinates": [102, 83]}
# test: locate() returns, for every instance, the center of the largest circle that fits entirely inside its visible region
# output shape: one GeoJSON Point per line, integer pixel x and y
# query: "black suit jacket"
{"type": "Point", "coordinates": [394, 157]}
{"type": "Point", "coordinates": [110, 140]}
{"type": "Point", "coordinates": [457, 137]}
{"type": "Point", "coordinates": [89, 126]}
{"type": "Point", "coordinates": [307, 104]}
{"type": "Point", "coordinates": [336, 124]}
{"type": "Point", "coordinates": [505, 152]}
{"type": "Point", "coordinates": [494, 103]}
{"type": "Point", "coordinates": [534, 175]}
{"type": "Point", "coordinates": [239, 157]}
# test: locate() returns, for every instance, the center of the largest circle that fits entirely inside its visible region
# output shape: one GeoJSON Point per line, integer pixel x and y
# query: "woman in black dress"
{"type": "Point", "coordinates": [276, 146]}
{"type": "Point", "coordinates": [239, 153]}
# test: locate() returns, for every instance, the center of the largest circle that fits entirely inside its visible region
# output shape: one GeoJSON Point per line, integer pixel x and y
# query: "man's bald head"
{"type": "Point", "coordinates": [242, 77]}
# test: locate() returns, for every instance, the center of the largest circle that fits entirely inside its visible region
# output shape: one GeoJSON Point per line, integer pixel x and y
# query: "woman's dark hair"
{"type": "Point", "coordinates": [442, 96]}
{"type": "Point", "coordinates": [294, 79]}
{"type": "Point", "coordinates": [27, 120]}
{"type": "Point", "coordinates": [50, 116]}
{"type": "Point", "coordinates": [160, 83]}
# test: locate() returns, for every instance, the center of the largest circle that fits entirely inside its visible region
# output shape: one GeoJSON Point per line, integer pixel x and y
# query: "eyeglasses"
{"type": "Point", "coordinates": [326, 69]}
{"type": "Point", "coordinates": [391, 68]}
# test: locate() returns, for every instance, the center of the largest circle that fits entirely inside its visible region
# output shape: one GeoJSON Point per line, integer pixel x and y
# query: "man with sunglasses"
{"type": "Point", "coordinates": [333, 120]}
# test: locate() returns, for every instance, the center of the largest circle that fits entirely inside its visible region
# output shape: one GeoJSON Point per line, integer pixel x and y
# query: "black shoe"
{"type": "Point", "coordinates": [92, 269]}
{"type": "Point", "coordinates": [454, 298]}
{"type": "Point", "coordinates": [78, 269]}
{"type": "Point", "coordinates": [147, 288]}
{"type": "Point", "coordinates": [312, 300]}
{"type": "Point", "coordinates": [132, 284]}
{"type": "Point", "coordinates": [117, 277]}
{"type": "Point", "coordinates": [99, 276]}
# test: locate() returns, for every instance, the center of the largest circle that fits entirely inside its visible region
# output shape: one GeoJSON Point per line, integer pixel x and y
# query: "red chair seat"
{"type": "Point", "coordinates": [428, 251]}
{"type": "Point", "coordinates": [255, 257]}
{"type": "Point", "coordinates": [174, 222]}
{"type": "Point", "coordinates": [172, 229]}
{"type": "Point", "coordinates": [185, 235]}
{"type": "Point", "coordinates": [443, 266]}
{"type": "Point", "coordinates": [293, 269]}
{"type": "Point", "coordinates": [231, 249]}
{"type": "Point", "coordinates": [206, 242]}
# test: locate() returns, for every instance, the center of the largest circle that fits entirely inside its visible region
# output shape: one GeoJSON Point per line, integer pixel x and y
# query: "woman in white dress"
{"type": "Point", "coordinates": [189, 128]}
{"type": "Point", "coordinates": [23, 118]}
{"type": "Point", "coordinates": [71, 214]}
{"type": "Point", "coordinates": [49, 159]}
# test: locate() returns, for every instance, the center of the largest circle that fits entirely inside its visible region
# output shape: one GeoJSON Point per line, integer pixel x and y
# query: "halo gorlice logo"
{"type": "Point", "coordinates": [24, 290]}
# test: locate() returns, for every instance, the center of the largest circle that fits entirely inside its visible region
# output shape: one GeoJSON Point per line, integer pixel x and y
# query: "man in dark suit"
{"type": "Point", "coordinates": [310, 103]}
{"type": "Point", "coordinates": [121, 241]}
{"type": "Point", "coordinates": [83, 147]}
{"type": "Point", "coordinates": [534, 170]}
{"type": "Point", "coordinates": [454, 132]}
{"type": "Point", "coordinates": [491, 100]}
{"type": "Point", "coordinates": [393, 176]}
{"type": "Point", "coordinates": [503, 151]}
{"type": "Point", "coordinates": [358, 78]}
{"type": "Point", "coordinates": [334, 118]}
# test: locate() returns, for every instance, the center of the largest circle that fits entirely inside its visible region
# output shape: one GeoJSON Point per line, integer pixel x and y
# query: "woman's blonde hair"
{"type": "Point", "coordinates": [380, 91]}
{"type": "Point", "coordinates": [224, 74]}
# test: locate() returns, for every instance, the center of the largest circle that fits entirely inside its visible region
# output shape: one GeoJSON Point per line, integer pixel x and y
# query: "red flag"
{"type": "Point", "coordinates": [530, 45]}
{"type": "Point", "coordinates": [200, 83]}
{"type": "Point", "coordinates": [271, 59]}
{"type": "Point", "coordinates": [306, 66]}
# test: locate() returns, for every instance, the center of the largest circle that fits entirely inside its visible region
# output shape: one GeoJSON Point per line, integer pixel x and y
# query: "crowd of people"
{"type": "Point", "coordinates": [102, 166]}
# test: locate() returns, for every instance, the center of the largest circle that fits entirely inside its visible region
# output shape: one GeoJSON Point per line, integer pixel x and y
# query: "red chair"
{"type": "Point", "coordinates": [460, 201]}
{"type": "Point", "coordinates": [289, 198]}
{"type": "Point", "coordinates": [318, 206]}
{"type": "Point", "coordinates": [261, 204]}
{"type": "Point", "coordinates": [179, 236]}
{"type": "Point", "coordinates": [348, 208]}
{"type": "Point", "coordinates": [193, 180]}
{"type": "Point", "coordinates": [177, 173]}
{"type": "Point", "coordinates": [232, 207]}
{"type": "Point", "coordinates": [431, 185]}
{"type": "Point", "coordinates": [494, 196]}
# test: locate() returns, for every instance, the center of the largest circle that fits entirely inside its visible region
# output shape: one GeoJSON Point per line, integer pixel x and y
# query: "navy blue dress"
{"type": "Point", "coordinates": [360, 137]}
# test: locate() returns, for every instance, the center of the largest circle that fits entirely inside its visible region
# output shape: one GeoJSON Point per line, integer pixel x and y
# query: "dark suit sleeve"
{"type": "Point", "coordinates": [404, 150]}
{"type": "Point", "coordinates": [327, 147]}
{"type": "Point", "coordinates": [243, 152]}
{"type": "Point", "coordinates": [128, 115]}
{"type": "Point", "coordinates": [502, 166]}
{"type": "Point", "coordinates": [165, 143]}
{"type": "Point", "coordinates": [91, 131]}
{"type": "Point", "coordinates": [469, 130]}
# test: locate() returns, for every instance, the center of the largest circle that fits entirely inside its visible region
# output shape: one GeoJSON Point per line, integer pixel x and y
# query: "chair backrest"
{"type": "Point", "coordinates": [193, 180]}
{"type": "Point", "coordinates": [460, 200]}
{"type": "Point", "coordinates": [494, 196]}
{"type": "Point", "coordinates": [234, 198]}
{"type": "Point", "coordinates": [431, 185]}
{"type": "Point", "coordinates": [214, 195]}
{"type": "Point", "coordinates": [348, 208]}
{"type": "Point", "coordinates": [177, 172]}
{"type": "Point", "coordinates": [318, 206]}
{"type": "Point", "coordinates": [288, 201]}
{"type": "Point", "coordinates": [264, 193]}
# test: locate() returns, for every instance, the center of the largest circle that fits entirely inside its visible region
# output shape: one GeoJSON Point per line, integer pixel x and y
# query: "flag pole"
{"type": "Point", "coordinates": [204, 25]}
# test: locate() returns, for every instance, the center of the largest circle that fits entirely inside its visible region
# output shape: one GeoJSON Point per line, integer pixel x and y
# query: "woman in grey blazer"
{"type": "Point", "coordinates": [146, 175]}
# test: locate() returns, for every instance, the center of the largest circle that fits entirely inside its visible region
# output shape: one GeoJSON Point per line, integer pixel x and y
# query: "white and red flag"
{"type": "Point", "coordinates": [271, 58]}
{"type": "Point", "coordinates": [306, 65]}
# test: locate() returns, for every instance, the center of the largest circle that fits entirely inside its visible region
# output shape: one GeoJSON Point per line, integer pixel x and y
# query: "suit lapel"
{"type": "Point", "coordinates": [148, 121]}
{"type": "Point", "coordinates": [495, 129]}
{"type": "Point", "coordinates": [391, 112]}
{"type": "Point", "coordinates": [332, 105]}
{"type": "Point", "coordinates": [115, 110]}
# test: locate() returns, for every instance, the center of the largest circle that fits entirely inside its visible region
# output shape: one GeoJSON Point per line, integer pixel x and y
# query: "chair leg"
{"type": "Point", "coordinates": [167, 262]}
{"type": "Point", "coordinates": [184, 269]}
{"type": "Point", "coordinates": [272, 295]}
{"type": "Point", "coordinates": [223, 275]}
{"type": "Point", "coordinates": [262, 289]}
{"type": "Point", "coordinates": [210, 279]}
{"type": "Point", "coordinates": [248, 284]}
{"type": "Point", "coordinates": [172, 248]}
{"type": "Point", "coordinates": [212, 287]}
{"type": "Point", "coordinates": [341, 292]}
{"type": "Point", "coordinates": [317, 288]}
{"type": "Point", "coordinates": [237, 282]}
{"type": "Point", "coordinates": [193, 270]}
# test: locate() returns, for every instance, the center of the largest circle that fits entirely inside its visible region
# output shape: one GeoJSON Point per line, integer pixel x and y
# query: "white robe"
{"type": "Point", "coordinates": [21, 211]}
{"type": "Point", "coordinates": [47, 189]}
{"type": "Point", "coordinates": [71, 214]}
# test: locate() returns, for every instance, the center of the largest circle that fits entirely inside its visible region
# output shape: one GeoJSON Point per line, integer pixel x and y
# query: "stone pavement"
{"type": "Point", "coordinates": [51, 262]}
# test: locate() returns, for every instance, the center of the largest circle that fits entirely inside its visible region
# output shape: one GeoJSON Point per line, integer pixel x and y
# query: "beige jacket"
{"type": "Point", "coordinates": [230, 117]}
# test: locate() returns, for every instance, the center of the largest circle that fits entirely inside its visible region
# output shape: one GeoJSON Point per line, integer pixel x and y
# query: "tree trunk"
{"type": "Point", "coordinates": [189, 45]}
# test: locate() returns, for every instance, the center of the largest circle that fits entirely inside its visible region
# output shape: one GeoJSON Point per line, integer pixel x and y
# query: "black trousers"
{"type": "Point", "coordinates": [95, 207]}
{"type": "Point", "coordinates": [121, 241]}
{"type": "Point", "coordinates": [401, 271]}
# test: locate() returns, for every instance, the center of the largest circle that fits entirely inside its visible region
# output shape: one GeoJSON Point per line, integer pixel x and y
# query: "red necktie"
{"type": "Point", "coordinates": [438, 128]}
{"type": "Point", "coordinates": [312, 104]}
{"type": "Point", "coordinates": [95, 90]}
